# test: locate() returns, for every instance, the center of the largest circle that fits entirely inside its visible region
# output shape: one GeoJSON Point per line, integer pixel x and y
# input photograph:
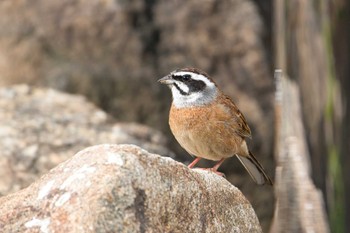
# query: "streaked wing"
{"type": "Point", "coordinates": [238, 120]}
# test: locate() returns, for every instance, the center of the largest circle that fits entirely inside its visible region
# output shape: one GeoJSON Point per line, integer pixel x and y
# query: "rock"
{"type": "Point", "coordinates": [42, 127]}
{"type": "Point", "coordinates": [123, 188]}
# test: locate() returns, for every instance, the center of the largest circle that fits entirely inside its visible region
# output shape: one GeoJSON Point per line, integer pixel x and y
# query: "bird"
{"type": "Point", "coordinates": [208, 124]}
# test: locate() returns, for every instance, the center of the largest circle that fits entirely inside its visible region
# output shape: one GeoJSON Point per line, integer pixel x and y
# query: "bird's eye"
{"type": "Point", "coordinates": [186, 77]}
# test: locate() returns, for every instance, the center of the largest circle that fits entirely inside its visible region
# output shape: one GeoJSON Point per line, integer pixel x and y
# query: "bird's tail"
{"type": "Point", "coordinates": [255, 170]}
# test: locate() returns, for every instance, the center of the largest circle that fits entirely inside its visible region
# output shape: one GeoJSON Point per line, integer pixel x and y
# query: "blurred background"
{"type": "Point", "coordinates": [113, 51]}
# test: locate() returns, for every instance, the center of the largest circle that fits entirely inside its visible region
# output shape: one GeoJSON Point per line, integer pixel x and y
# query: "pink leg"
{"type": "Point", "coordinates": [215, 168]}
{"type": "Point", "coordinates": [191, 165]}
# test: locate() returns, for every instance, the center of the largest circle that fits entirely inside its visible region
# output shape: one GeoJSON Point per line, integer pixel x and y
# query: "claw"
{"type": "Point", "coordinates": [215, 171]}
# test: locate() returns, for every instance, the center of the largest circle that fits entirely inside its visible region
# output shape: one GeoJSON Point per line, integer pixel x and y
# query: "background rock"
{"type": "Point", "coordinates": [42, 127]}
{"type": "Point", "coordinates": [112, 52]}
{"type": "Point", "coordinates": [122, 188]}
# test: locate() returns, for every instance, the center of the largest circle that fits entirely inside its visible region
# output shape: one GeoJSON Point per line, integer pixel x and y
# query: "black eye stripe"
{"type": "Point", "coordinates": [186, 77]}
{"type": "Point", "coordinates": [192, 84]}
{"type": "Point", "coordinates": [179, 78]}
{"type": "Point", "coordinates": [182, 78]}
{"type": "Point", "coordinates": [196, 85]}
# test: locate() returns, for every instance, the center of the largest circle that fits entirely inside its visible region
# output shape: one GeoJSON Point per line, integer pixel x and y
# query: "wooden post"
{"type": "Point", "coordinates": [299, 206]}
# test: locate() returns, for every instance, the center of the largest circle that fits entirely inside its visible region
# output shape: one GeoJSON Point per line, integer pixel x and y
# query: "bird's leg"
{"type": "Point", "coordinates": [191, 165]}
{"type": "Point", "coordinates": [216, 167]}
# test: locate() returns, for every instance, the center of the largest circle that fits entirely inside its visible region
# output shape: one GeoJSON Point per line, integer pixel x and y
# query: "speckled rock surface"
{"type": "Point", "coordinates": [40, 128]}
{"type": "Point", "coordinates": [123, 188]}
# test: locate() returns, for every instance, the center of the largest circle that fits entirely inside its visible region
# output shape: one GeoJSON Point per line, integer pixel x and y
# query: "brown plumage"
{"type": "Point", "coordinates": [207, 124]}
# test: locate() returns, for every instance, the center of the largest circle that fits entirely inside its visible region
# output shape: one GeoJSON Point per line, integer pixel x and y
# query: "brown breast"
{"type": "Point", "coordinates": [213, 132]}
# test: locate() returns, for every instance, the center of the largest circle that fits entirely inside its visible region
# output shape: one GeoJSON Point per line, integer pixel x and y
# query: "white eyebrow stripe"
{"type": "Point", "coordinates": [180, 73]}
{"type": "Point", "coordinates": [195, 76]}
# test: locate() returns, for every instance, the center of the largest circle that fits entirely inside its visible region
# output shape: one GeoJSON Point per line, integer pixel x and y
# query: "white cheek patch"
{"type": "Point", "coordinates": [182, 86]}
{"type": "Point", "coordinates": [177, 96]}
{"type": "Point", "coordinates": [194, 99]}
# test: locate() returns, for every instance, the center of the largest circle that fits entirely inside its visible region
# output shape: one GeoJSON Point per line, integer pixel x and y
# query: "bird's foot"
{"type": "Point", "coordinates": [214, 170]}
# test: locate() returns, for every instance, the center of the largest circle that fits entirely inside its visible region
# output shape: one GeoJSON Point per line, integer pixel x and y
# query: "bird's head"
{"type": "Point", "coordinates": [190, 87]}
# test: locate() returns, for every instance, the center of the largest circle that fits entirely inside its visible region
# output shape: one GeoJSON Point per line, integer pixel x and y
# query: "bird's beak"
{"type": "Point", "coordinates": [166, 80]}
